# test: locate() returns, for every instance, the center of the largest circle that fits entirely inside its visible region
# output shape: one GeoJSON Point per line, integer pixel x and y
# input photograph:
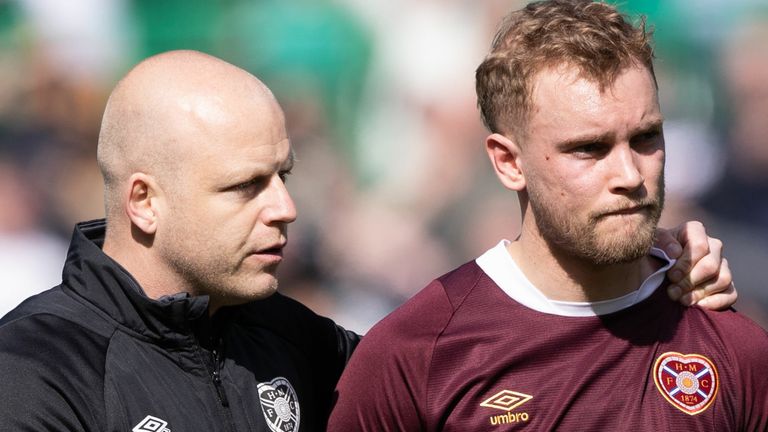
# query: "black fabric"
{"type": "Point", "coordinates": [96, 354]}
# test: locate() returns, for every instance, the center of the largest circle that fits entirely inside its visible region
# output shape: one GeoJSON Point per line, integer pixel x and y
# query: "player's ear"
{"type": "Point", "coordinates": [504, 154]}
{"type": "Point", "coordinates": [143, 202]}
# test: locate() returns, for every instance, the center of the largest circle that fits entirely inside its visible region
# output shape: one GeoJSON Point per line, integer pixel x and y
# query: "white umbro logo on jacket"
{"type": "Point", "coordinates": [151, 424]}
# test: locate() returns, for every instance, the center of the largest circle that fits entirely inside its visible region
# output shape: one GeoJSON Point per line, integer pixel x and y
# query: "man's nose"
{"type": "Point", "coordinates": [625, 172]}
{"type": "Point", "coordinates": [281, 207]}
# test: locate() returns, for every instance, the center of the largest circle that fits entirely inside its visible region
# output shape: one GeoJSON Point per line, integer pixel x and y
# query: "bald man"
{"type": "Point", "coordinates": [194, 153]}
{"type": "Point", "coordinates": [155, 327]}
{"type": "Point", "coordinates": [168, 317]}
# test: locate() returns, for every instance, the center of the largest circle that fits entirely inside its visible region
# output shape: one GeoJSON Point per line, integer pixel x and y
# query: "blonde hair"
{"type": "Point", "coordinates": [592, 36]}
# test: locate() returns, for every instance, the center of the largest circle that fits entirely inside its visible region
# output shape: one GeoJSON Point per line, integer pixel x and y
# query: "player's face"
{"type": "Point", "coordinates": [230, 208]}
{"type": "Point", "coordinates": [593, 163]}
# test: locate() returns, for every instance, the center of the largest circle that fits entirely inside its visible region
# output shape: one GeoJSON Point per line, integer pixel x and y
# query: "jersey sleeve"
{"type": "Point", "coordinates": [751, 354]}
{"type": "Point", "coordinates": [385, 385]}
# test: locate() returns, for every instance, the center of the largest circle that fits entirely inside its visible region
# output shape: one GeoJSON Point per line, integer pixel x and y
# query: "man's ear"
{"type": "Point", "coordinates": [505, 158]}
{"type": "Point", "coordinates": [143, 202]}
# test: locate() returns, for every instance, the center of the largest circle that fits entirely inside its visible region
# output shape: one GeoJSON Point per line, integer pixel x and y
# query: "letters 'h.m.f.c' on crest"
{"type": "Point", "coordinates": [688, 381]}
{"type": "Point", "coordinates": [280, 405]}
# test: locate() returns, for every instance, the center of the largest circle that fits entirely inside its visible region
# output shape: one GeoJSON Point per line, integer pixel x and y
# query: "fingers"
{"type": "Point", "coordinates": [698, 264]}
{"type": "Point", "coordinates": [701, 275]}
{"type": "Point", "coordinates": [716, 294]}
{"type": "Point", "coordinates": [666, 240]}
{"type": "Point", "coordinates": [719, 294]}
{"type": "Point", "coordinates": [720, 301]}
{"type": "Point", "coordinates": [696, 246]}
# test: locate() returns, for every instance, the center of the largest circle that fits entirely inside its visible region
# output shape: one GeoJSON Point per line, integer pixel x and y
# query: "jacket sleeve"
{"type": "Point", "coordinates": [51, 377]}
{"type": "Point", "coordinates": [314, 334]}
{"type": "Point", "coordinates": [326, 346]}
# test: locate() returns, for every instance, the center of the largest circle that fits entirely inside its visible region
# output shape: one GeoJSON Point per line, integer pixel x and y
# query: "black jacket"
{"type": "Point", "coordinates": [96, 354]}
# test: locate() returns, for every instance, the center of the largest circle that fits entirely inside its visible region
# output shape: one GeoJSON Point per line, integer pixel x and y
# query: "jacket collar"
{"type": "Point", "coordinates": [103, 283]}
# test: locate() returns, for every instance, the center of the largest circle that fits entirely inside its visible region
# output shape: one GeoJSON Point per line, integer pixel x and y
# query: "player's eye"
{"type": "Point", "coordinates": [250, 186]}
{"type": "Point", "coordinates": [593, 149]}
{"type": "Point", "coordinates": [648, 140]}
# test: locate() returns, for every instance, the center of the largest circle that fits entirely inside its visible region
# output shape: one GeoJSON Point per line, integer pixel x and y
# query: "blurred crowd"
{"type": "Point", "coordinates": [391, 182]}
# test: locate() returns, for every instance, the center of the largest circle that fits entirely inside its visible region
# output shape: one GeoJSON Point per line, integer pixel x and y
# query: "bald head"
{"type": "Point", "coordinates": [194, 154]}
{"type": "Point", "coordinates": [157, 113]}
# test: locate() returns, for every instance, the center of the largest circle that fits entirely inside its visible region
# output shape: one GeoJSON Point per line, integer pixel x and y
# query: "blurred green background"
{"type": "Point", "coordinates": [391, 183]}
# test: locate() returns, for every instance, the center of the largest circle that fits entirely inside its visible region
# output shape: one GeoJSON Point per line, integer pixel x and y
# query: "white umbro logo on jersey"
{"type": "Point", "coordinates": [151, 424]}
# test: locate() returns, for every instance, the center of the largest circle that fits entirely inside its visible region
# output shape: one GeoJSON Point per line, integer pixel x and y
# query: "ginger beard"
{"type": "Point", "coordinates": [592, 237]}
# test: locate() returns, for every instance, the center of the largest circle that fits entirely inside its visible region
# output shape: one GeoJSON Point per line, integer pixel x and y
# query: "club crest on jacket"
{"type": "Point", "coordinates": [280, 405]}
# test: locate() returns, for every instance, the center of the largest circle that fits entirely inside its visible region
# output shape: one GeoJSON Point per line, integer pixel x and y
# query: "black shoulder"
{"type": "Point", "coordinates": [295, 322]}
{"type": "Point", "coordinates": [53, 365]}
{"type": "Point", "coordinates": [61, 303]}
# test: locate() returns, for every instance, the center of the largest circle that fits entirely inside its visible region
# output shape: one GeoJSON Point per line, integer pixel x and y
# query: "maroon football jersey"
{"type": "Point", "coordinates": [463, 356]}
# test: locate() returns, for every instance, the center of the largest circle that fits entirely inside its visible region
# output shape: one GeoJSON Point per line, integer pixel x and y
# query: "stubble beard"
{"type": "Point", "coordinates": [207, 268]}
{"type": "Point", "coordinates": [581, 239]}
{"type": "Point", "coordinates": [211, 273]}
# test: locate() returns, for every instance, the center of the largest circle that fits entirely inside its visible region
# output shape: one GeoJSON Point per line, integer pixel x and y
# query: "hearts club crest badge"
{"type": "Point", "coordinates": [280, 405]}
{"type": "Point", "coordinates": [688, 381]}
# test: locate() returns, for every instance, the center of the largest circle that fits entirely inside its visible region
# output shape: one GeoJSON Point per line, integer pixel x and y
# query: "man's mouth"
{"type": "Point", "coordinates": [627, 210]}
{"type": "Point", "coordinates": [270, 252]}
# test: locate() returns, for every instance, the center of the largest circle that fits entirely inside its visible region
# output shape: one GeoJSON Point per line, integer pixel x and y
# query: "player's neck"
{"type": "Point", "coordinates": [153, 276]}
{"type": "Point", "coordinates": [562, 277]}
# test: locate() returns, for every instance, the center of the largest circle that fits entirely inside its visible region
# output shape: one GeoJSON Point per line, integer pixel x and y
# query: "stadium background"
{"type": "Point", "coordinates": [391, 183]}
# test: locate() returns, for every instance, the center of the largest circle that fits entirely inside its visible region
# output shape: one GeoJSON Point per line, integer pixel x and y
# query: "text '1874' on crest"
{"type": "Point", "coordinates": [280, 405]}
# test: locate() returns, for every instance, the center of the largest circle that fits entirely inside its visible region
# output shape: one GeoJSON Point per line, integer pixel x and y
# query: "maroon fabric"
{"type": "Point", "coordinates": [432, 363]}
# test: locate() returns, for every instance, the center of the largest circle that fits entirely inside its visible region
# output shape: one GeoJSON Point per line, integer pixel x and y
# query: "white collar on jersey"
{"type": "Point", "coordinates": [502, 269]}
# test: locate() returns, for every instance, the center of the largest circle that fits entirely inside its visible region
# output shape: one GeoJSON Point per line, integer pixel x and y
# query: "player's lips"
{"type": "Point", "coordinates": [271, 252]}
{"type": "Point", "coordinates": [627, 210]}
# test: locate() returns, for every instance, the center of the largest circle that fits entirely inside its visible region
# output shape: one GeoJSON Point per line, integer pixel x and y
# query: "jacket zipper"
{"type": "Point", "coordinates": [216, 376]}
{"type": "Point", "coordinates": [210, 346]}
{"type": "Point", "coordinates": [218, 384]}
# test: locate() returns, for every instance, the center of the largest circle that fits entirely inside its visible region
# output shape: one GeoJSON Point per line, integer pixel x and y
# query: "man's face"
{"type": "Point", "coordinates": [228, 207]}
{"type": "Point", "coordinates": [594, 164]}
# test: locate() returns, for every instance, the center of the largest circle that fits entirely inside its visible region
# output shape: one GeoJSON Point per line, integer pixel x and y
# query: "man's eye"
{"type": "Point", "coordinates": [646, 136]}
{"type": "Point", "coordinates": [648, 139]}
{"type": "Point", "coordinates": [589, 149]}
{"type": "Point", "coordinates": [244, 186]}
{"type": "Point", "coordinates": [284, 175]}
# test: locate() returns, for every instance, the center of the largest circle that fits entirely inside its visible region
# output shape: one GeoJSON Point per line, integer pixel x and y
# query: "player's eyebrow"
{"type": "Point", "coordinates": [289, 161]}
{"type": "Point", "coordinates": [583, 140]}
{"type": "Point", "coordinates": [653, 124]}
